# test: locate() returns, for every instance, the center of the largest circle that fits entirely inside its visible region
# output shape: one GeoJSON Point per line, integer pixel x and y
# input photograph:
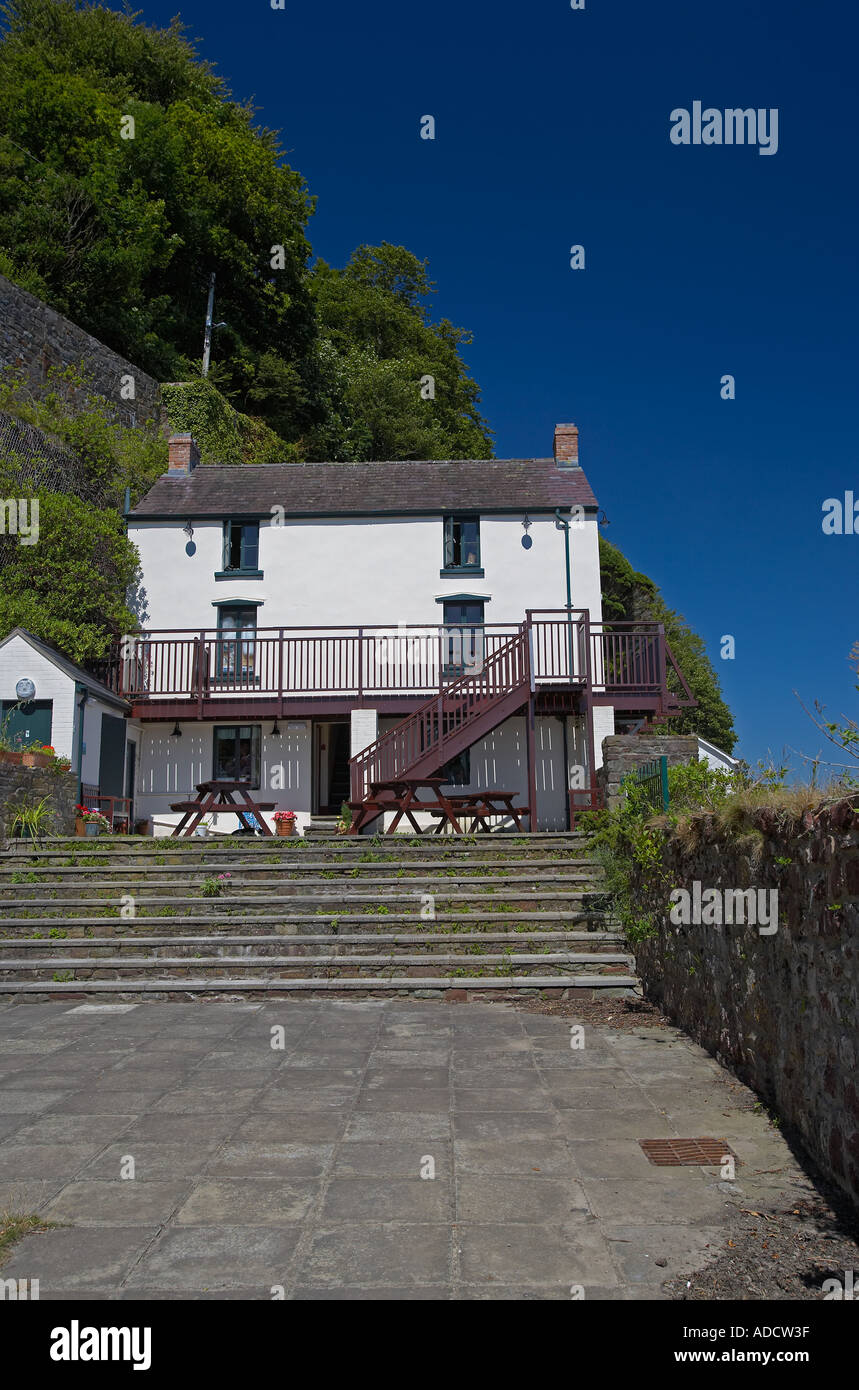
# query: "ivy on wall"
{"type": "Point", "coordinates": [223, 434]}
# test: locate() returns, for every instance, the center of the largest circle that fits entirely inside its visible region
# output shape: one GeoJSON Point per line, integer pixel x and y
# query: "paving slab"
{"type": "Point", "coordinates": [390, 1150]}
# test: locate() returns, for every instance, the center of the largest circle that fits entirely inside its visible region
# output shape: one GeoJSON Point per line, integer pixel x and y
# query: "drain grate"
{"type": "Point", "coordinates": [672, 1153]}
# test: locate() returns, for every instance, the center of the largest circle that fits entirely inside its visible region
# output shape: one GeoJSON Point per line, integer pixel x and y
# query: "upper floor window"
{"type": "Point", "coordinates": [241, 547]}
{"type": "Point", "coordinates": [462, 542]}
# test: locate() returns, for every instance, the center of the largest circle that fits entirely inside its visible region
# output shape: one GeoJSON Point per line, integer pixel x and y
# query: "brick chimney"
{"type": "Point", "coordinates": [567, 446]}
{"type": "Point", "coordinates": [183, 455]}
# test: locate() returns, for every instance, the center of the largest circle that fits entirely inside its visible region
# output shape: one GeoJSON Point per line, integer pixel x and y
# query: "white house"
{"type": "Point", "coordinates": [297, 614]}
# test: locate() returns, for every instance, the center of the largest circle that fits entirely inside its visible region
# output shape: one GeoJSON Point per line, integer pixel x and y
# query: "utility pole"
{"type": "Point", "coordinates": [207, 340]}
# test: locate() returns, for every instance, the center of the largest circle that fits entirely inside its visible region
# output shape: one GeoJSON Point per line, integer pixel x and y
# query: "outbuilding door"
{"type": "Point", "coordinates": [111, 758]}
{"type": "Point", "coordinates": [28, 723]}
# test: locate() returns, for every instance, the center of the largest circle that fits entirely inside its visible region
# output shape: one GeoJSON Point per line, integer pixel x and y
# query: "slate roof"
{"type": "Point", "coordinates": [63, 663]}
{"type": "Point", "coordinates": [362, 489]}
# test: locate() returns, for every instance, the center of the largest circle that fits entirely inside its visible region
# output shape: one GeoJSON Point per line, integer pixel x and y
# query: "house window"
{"type": "Point", "coordinates": [464, 647]}
{"type": "Point", "coordinates": [457, 772]}
{"type": "Point", "coordinates": [236, 643]}
{"type": "Point", "coordinates": [241, 547]}
{"type": "Point", "coordinates": [461, 543]}
{"type": "Point", "coordinates": [236, 754]}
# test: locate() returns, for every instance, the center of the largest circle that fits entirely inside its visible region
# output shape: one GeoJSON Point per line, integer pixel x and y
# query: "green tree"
{"type": "Point", "coordinates": [629, 596]}
{"type": "Point", "coordinates": [378, 345]}
{"type": "Point", "coordinates": [70, 587]}
{"type": "Point", "coordinates": [121, 234]}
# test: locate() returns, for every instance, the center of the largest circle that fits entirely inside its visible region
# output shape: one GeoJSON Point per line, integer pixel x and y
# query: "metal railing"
{"type": "Point", "coordinates": [363, 662]}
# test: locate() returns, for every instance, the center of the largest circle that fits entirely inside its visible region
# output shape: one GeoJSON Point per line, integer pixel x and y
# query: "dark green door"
{"type": "Point", "coordinates": [111, 761]}
{"type": "Point", "coordinates": [28, 723]}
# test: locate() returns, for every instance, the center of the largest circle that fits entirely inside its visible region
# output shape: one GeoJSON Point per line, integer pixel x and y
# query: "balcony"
{"type": "Point", "coordinates": [203, 673]}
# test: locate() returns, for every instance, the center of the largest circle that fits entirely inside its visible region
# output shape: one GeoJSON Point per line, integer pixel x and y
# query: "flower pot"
{"type": "Point", "coordinates": [91, 829]}
{"type": "Point", "coordinates": [8, 756]}
{"type": "Point", "coordinates": [80, 826]}
{"type": "Point", "coordinates": [36, 759]}
{"type": "Point", "coordinates": [285, 827]}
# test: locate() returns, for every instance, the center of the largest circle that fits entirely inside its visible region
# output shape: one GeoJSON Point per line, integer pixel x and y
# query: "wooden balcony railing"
{"type": "Point", "coordinates": [363, 662]}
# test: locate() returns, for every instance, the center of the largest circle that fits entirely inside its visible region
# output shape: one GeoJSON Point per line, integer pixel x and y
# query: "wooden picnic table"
{"type": "Point", "coordinates": [220, 796]}
{"type": "Point", "coordinates": [481, 805]}
{"type": "Point", "coordinates": [401, 794]}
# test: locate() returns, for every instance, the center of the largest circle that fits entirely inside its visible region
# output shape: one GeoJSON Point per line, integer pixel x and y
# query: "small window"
{"type": "Point", "coordinates": [457, 772]}
{"type": "Point", "coordinates": [462, 543]}
{"type": "Point", "coordinates": [236, 754]}
{"type": "Point", "coordinates": [241, 547]}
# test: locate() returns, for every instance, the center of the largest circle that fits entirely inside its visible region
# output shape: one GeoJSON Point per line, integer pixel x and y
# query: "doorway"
{"type": "Point", "coordinates": [331, 750]}
{"type": "Point", "coordinates": [25, 724]}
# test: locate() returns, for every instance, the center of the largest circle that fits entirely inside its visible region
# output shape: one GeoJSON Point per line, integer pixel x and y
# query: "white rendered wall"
{"type": "Point", "coordinates": [170, 768]}
{"type": "Point", "coordinates": [19, 660]}
{"type": "Point", "coordinates": [363, 572]}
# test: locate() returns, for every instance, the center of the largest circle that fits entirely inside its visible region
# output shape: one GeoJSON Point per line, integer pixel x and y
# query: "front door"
{"type": "Point", "coordinates": [332, 767]}
{"type": "Point", "coordinates": [25, 724]}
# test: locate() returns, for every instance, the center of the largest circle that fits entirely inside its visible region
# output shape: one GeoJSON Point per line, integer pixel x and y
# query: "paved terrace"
{"type": "Point", "coordinates": [302, 1167]}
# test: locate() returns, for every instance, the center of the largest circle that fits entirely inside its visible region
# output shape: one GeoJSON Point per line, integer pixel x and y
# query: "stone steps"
{"type": "Point", "coordinates": [370, 940]}
{"type": "Point", "coordinates": [326, 915]}
{"type": "Point", "coordinates": [420, 986]}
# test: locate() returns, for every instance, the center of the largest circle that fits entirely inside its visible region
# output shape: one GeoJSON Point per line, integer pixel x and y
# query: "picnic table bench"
{"type": "Point", "coordinates": [219, 796]}
{"type": "Point", "coordinates": [401, 795]}
{"type": "Point", "coordinates": [479, 806]}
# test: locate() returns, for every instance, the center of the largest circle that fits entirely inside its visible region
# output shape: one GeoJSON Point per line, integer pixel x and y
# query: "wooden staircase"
{"type": "Point", "coordinates": [448, 723]}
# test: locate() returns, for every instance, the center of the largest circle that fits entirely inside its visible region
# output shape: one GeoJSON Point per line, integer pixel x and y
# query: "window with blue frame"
{"type": "Point", "coordinates": [463, 638]}
{"type": "Point", "coordinates": [461, 544]}
{"type": "Point", "coordinates": [237, 643]}
{"type": "Point", "coordinates": [241, 547]}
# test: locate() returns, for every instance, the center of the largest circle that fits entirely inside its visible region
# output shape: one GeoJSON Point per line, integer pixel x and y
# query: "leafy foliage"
{"type": "Point", "coordinates": [70, 588]}
{"type": "Point", "coordinates": [122, 234]}
{"type": "Point", "coordinates": [223, 434]}
{"type": "Point", "coordinates": [111, 457]}
{"type": "Point", "coordinates": [629, 840]}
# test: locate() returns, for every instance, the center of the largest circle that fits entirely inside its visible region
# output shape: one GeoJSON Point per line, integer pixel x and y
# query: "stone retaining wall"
{"type": "Point", "coordinates": [28, 785]}
{"type": "Point", "coordinates": [34, 338]}
{"type": "Point", "coordinates": [623, 753]}
{"type": "Point", "coordinates": [782, 1009]}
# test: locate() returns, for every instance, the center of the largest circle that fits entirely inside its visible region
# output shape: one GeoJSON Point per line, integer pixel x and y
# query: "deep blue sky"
{"type": "Point", "coordinates": [553, 129]}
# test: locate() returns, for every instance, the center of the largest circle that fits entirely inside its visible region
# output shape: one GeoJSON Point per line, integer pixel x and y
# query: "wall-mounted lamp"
{"type": "Point", "coordinates": [177, 732]}
{"type": "Point", "coordinates": [526, 539]}
{"type": "Point", "coordinates": [188, 530]}
{"type": "Point", "coordinates": [275, 731]}
{"type": "Point", "coordinates": [603, 520]}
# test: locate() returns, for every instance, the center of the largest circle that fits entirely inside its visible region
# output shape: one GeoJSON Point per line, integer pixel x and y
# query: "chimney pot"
{"type": "Point", "coordinates": [567, 446]}
{"type": "Point", "coordinates": [182, 455]}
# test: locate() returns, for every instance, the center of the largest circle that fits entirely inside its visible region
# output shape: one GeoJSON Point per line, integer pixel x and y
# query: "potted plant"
{"type": "Point", "coordinates": [284, 822]}
{"type": "Point", "coordinates": [344, 824]}
{"type": "Point", "coordinates": [38, 755]}
{"type": "Point", "coordinates": [31, 820]}
{"type": "Point", "coordinates": [89, 822]}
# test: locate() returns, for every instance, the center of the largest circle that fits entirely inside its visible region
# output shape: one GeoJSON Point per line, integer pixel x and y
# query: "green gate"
{"type": "Point", "coordinates": [653, 777]}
